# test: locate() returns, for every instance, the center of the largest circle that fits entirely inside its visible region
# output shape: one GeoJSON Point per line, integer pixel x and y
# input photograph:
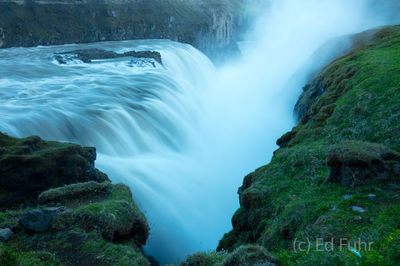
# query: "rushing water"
{"type": "Point", "coordinates": [182, 135]}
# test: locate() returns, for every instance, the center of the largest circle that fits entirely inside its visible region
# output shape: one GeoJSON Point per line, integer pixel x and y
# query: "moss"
{"type": "Point", "coordinates": [30, 165]}
{"type": "Point", "coordinates": [115, 217]}
{"type": "Point", "coordinates": [107, 253]}
{"type": "Point", "coordinates": [97, 228]}
{"type": "Point", "coordinates": [204, 258]}
{"type": "Point", "coordinates": [76, 194]}
{"type": "Point", "coordinates": [355, 116]}
{"type": "Point", "coordinates": [10, 256]}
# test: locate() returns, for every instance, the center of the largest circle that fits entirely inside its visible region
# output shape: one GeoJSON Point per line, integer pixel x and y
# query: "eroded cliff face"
{"type": "Point", "coordinates": [210, 25]}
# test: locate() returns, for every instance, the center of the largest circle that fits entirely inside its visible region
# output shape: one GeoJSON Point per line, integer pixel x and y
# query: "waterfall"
{"type": "Point", "coordinates": [181, 134]}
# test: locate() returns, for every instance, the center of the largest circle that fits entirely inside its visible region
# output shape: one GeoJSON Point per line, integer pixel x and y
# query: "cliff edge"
{"type": "Point", "coordinates": [58, 209]}
{"type": "Point", "coordinates": [334, 183]}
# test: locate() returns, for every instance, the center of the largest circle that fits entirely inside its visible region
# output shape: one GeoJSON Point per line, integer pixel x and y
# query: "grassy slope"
{"type": "Point", "coordinates": [291, 198]}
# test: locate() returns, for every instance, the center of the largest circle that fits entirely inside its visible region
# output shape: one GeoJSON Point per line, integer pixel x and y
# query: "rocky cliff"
{"type": "Point", "coordinates": [210, 25]}
{"type": "Point", "coordinates": [334, 183]}
{"type": "Point", "coordinates": [58, 209]}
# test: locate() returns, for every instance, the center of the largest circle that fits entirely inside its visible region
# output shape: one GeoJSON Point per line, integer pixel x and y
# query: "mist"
{"type": "Point", "coordinates": [249, 105]}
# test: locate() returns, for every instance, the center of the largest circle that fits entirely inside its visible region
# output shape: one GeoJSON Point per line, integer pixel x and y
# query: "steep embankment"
{"type": "Point", "coordinates": [336, 178]}
{"type": "Point", "coordinates": [48, 218]}
{"type": "Point", "coordinates": [210, 25]}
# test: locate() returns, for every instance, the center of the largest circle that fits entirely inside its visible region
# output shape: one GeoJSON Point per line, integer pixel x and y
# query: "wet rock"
{"type": "Point", "coordinates": [355, 163]}
{"type": "Point", "coordinates": [87, 55]}
{"type": "Point", "coordinates": [5, 234]}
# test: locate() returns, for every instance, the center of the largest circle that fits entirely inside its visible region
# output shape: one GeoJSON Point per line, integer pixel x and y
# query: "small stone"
{"type": "Point", "coordinates": [358, 218]}
{"type": "Point", "coordinates": [334, 208]}
{"type": "Point", "coordinates": [371, 220]}
{"type": "Point", "coordinates": [394, 186]}
{"type": "Point", "coordinates": [5, 234]}
{"type": "Point", "coordinates": [37, 220]}
{"type": "Point", "coordinates": [347, 196]}
{"type": "Point", "coordinates": [372, 197]}
{"type": "Point", "coordinates": [357, 209]}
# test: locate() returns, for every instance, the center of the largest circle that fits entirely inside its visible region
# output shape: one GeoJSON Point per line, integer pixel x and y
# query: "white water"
{"type": "Point", "coordinates": [182, 135]}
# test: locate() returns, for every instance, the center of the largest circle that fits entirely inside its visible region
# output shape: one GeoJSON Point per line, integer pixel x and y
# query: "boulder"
{"type": "Point", "coordinates": [5, 234]}
{"type": "Point", "coordinates": [39, 220]}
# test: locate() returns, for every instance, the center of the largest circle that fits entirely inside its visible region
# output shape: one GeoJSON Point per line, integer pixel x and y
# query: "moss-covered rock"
{"type": "Point", "coordinates": [87, 223]}
{"type": "Point", "coordinates": [349, 134]}
{"type": "Point", "coordinates": [30, 165]}
{"type": "Point", "coordinates": [116, 217]}
{"type": "Point", "coordinates": [355, 163]}
{"type": "Point", "coordinates": [75, 194]}
{"type": "Point", "coordinates": [98, 224]}
{"type": "Point", "coordinates": [204, 259]}
{"type": "Point", "coordinates": [246, 255]}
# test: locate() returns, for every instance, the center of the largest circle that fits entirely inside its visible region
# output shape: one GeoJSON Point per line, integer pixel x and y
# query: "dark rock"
{"type": "Point", "coordinates": [87, 55]}
{"type": "Point", "coordinates": [38, 220]}
{"type": "Point", "coordinates": [29, 166]}
{"type": "Point", "coordinates": [311, 93]}
{"type": "Point", "coordinates": [5, 234]}
{"type": "Point", "coordinates": [354, 163]}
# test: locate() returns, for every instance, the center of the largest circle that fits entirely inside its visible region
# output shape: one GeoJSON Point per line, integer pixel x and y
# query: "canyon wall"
{"type": "Point", "coordinates": [210, 25]}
